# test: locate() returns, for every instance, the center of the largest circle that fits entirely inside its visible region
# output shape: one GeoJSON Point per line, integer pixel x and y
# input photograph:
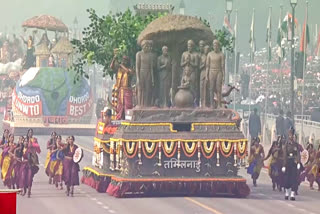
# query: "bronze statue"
{"type": "Point", "coordinates": [165, 77]}
{"type": "Point", "coordinates": [122, 88]}
{"type": "Point", "coordinates": [204, 93]}
{"type": "Point", "coordinates": [215, 73]}
{"type": "Point", "coordinates": [145, 66]}
{"type": "Point", "coordinates": [191, 58]}
{"type": "Point", "coordinates": [200, 53]}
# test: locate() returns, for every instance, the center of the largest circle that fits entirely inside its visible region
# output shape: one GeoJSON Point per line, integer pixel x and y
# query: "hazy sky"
{"type": "Point", "coordinates": [14, 12]}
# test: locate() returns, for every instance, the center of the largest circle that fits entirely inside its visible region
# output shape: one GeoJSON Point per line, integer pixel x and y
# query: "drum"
{"type": "Point", "coordinates": [78, 155]}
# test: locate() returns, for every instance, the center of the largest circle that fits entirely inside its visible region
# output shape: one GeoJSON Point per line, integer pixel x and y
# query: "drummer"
{"type": "Point", "coordinates": [70, 168]}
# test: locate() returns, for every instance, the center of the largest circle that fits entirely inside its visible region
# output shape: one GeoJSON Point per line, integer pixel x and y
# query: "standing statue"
{"type": "Point", "coordinates": [200, 53]}
{"type": "Point", "coordinates": [191, 58]}
{"type": "Point", "coordinates": [145, 66]}
{"type": "Point", "coordinates": [122, 86]}
{"type": "Point", "coordinates": [165, 77]}
{"type": "Point", "coordinates": [204, 93]}
{"type": "Point", "coordinates": [215, 73]}
{"type": "Point", "coordinates": [30, 58]}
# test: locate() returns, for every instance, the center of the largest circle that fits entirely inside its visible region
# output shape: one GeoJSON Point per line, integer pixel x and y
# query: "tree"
{"type": "Point", "coordinates": [106, 33]}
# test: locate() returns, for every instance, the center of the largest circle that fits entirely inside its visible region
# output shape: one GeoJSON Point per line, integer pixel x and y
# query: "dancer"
{"type": "Point", "coordinates": [51, 145]}
{"type": "Point", "coordinates": [18, 152]}
{"type": "Point", "coordinates": [276, 162]}
{"type": "Point", "coordinates": [314, 173]}
{"type": "Point", "coordinates": [7, 170]}
{"type": "Point", "coordinates": [55, 166]}
{"type": "Point", "coordinates": [291, 165]}
{"type": "Point", "coordinates": [29, 166]}
{"type": "Point", "coordinates": [255, 160]}
{"type": "Point", "coordinates": [3, 143]}
{"type": "Point", "coordinates": [70, 168]}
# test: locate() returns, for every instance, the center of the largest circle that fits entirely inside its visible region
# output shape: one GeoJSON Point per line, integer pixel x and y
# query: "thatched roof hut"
{"type": "Point", "coordinates": [63, 46]}
{"type": "Point", "coordinates": [42, 49]}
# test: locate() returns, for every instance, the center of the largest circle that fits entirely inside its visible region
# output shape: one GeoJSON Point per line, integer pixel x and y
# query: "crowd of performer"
{"type": "Point", "coordinates": [285, 167]}
{"type": "Point", "coordinates": [19, 162]}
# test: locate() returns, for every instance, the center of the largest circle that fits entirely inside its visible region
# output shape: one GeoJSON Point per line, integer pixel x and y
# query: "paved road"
{"type": "Point", "coordinates": [46, 199]}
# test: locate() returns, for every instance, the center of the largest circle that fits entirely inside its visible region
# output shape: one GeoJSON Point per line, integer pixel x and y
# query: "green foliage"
{"type": "Point", "coordinates": [106, 33]}
{"type": "Point", "coordinates": [226, 41]}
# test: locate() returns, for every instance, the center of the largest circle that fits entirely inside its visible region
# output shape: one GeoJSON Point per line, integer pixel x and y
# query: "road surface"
{"type": "Point", "coordinates": [262, 200]}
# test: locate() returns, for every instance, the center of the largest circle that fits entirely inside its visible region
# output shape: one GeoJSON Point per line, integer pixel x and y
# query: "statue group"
{"type": "Point", "coordinates": [202, 73]}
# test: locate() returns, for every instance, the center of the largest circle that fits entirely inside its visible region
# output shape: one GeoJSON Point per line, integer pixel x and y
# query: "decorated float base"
{"type": "Point", "coordinates": [118, 186]}
{"type": "Point", "coordinates": [42, 129]}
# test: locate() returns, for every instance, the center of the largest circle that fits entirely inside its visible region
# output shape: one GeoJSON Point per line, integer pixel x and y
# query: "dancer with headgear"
{"type": "Point", "coordinates": [291, 165]}
{"type": "Point", "coordinates": [7, 170]}
{"type": "Point", "coordinates": [307, 173]}
{"type": "Point", "coordinates": [256, 159]}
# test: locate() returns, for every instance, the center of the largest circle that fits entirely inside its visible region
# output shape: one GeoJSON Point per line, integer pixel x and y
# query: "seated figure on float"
{"type": "Point", "coordinates": [105, 125]}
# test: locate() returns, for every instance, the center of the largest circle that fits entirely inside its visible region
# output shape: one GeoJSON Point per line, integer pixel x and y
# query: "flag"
{"type": "Point", "coordinates": [318, 45]}
{"type": "Point", "coordinates": [269, 36]}
{"type": "Point", "coordinates": [252, 40]}
{"type": "Point", "coordinates": [302, 56]}
{"type": "Point", "coordinates": [280, 39]}
{"type": "Point", "coordinates": [226, 26]}
{"type": "Point", "coordinates": [286, 25]}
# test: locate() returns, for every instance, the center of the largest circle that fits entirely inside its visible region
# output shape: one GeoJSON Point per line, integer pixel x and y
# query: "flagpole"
{"type": "Point", "coordinates": [267, 78]}
{"type": "Point", "coordinates": [303, 71]}
{"type": "Point", "coordinates": [252, 60]}
{"type": "Point", "coordinates": [235, 58]}
{"type": "Point", "coordinates": [280, 61]}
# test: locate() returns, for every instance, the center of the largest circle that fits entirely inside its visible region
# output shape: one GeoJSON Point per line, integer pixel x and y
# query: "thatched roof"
{"type": "Point", "coordinates": [45, 22]}
{"type": "Point", "coordinates": [42, 49]}
{"type": "Point", "coordinates": [63, 46]}
{"type": "Point", "coordinates": [176, 29]}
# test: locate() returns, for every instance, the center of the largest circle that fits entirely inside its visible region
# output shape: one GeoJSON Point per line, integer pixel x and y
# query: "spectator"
{"type": "Point", "coordinates": [280, 127]}
{"type": "Point", "coordinates": [288, 123]}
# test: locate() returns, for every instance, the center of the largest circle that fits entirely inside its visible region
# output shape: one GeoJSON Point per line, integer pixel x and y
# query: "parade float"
{"type": "Point", "coordinates": [48, 97]}
{"type": "Point", "coordinates": [180, 149]}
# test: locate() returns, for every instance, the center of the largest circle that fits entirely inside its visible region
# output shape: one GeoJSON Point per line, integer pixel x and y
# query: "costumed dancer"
{"type": "Point", "coordinates": [29, 165]}
{"type": "Point", "coordinates": [314, 173]}
{"type": "Point", "coordinates": [7, 170]}
{"type": "Point", "coordinates": [70, 168]}
{"type": "Point", "coordinates": [3, 143]}
{"type": "Point", "coordinates": [18, 153]}
{"type": "Point", "coordinates": [255, 160]}
{"type": "Point", "coordinates": [308, 166]}
{"type": "Point", "coordinates": [291, 165]}
{"type": "Point", "coordinates": [51, 145]}
{"type": "Point", "coordinates": [276, 162]}
{"type": "Point", "coordinates": [55, 166]}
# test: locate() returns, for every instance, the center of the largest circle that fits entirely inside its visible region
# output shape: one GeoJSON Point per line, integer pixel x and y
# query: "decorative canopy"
{"type": "Point", "coordinates": [45, 22]}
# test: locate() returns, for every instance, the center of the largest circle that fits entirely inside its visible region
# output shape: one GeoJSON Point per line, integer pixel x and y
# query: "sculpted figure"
{"type": "Point", "coordinates": [165, 77]}
{"type": "Point", "coordinates": [204, 93]}
{"type": "Point", "coordinates": [215, 73]}
{"type": "Point", "coordinates": [191, 58]}
{"type": "Point", "coordinates": [145, 66]}
{"type": "Point", "coordinates": [122, 87]}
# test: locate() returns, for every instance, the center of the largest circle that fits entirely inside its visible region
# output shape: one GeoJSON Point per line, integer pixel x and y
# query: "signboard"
{"type": "Point", "coordinates": [30, 106]}
{"type": "Point", "coordinates": [79, 106]}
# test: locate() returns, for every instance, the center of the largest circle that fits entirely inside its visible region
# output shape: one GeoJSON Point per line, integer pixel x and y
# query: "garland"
{"type": "Point", "coordinates": [105, 148]}
{"type": "Point", "coordinates": [101, 141]}
{"type": "Point", "coordinates": [146, 151]}
{"type": "Point", "coordinates": [132, 151]}
{"type": "Point", "coordinates": [226, 151]}
{"type": "Point", "coordinates": [205, 150]}
{"type": "Point", "coordinates": [189, 151]}
{"type": "Point", "coordinates": [169, 152]}
{"type": "Point", "coordinates": [241, 152]}
{"type": "Point", "coordinates": [182, 140]}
